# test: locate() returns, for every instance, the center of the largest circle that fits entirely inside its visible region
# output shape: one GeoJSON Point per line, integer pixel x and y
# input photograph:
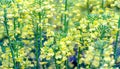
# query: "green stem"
{"type": "Point", "coordinates": [7, 32]}
{"type": "Point", "coordinates": [38, 37]}
{"type": "Point", "coordinates": [65, 19]}
{"type": "Point", "coordinates": [18, 6]}
{"type": "Point", "coordinates": [37, 47]}
{"type": "Point", "coordinates": [56, 66]}
{"type": "Point", "coordinates": [15, 42]}
{"type": "Point", "coordinates": [101, 55]}
{"type": "Point", "coordinates": [116, 44]}
{"type": "Point", "coordinates": [88, 10]}
{"type": "Point", "coordinates": [55, 60]}
{"type": "Point", "coordinates": [78, 58]}
{"type": "Point", "coordinates": [14, 23]}
{"type": "Point", "coordinates": [79, 52]}
{"type": "Point", "coordinates": [101, 52]}
{"type": "Point", "coordinates": [66, 63]}
{"type": "Point", "coordinates": [65, 5]}
{"type": "Point", "coordinates": [102, 4]}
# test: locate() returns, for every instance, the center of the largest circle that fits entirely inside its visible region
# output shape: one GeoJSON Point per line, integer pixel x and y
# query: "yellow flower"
{"type": "Point", "coordinates": [77, 5]}
{"type": "Point", "coordinates": [58, 62]}
{"type": "Point", "coordinates": [100, 11]}
{"type": "Point", "coordinates": [107, 58]}
{"type": "Point", "coordinates": [95, 63]}
{"type": "Point", "coordinates": [96, 58]}
{"type": "Point", "coordinates": [50, 33]}
{"type": "Point", "coordinates": [18, 1]}
{"type": "Point", "coordinates": [19, 20]}
{"type": "Point", "coordinates": [64, 59]}
{"type": "Point", "coordinates": [4, 6]}
{"type": "Point", "coordinates": [19, 59]}
{"type": "Point", "coordinates": [42, 63]}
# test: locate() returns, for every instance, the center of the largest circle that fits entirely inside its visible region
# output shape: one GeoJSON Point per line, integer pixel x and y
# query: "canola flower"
{"type": "Point", "coordinates": [59, 34]}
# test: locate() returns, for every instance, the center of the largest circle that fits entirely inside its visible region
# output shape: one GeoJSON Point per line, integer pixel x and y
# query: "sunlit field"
{"type": "Point", "coordinates": [59, 34]}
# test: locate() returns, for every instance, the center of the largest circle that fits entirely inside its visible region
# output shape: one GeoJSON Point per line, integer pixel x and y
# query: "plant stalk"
{"type": "Point", "coordinates": [7, 32]}
{"type": "Point", "coordinates": [116, 44]}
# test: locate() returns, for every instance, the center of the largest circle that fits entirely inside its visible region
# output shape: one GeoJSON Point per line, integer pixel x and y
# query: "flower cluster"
{"type": "Point", "coordinates": [59, 34]}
